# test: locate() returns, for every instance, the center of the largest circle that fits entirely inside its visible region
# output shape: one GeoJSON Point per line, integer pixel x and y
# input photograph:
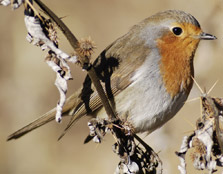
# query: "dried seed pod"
{"type": "Point", "coordinates": [86, 47]}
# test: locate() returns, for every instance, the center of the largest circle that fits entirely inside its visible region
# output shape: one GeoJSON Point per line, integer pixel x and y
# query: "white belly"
{"type": "Point", "coordinates": [145, 103]}
{"type": "Point", "coordinates": [147, 108]}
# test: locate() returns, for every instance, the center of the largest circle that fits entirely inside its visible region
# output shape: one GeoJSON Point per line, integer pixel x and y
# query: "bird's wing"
{"type": "Point", "coordinates": [89, 104]}
{"type": "Point", "coordinates": [115, 67]}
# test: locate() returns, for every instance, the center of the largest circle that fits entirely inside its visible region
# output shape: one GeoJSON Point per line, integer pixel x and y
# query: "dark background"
{"type": "Point", "coordinates": [27, 85]}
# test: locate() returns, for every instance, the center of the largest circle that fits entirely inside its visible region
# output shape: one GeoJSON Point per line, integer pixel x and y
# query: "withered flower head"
{"type": "Point", "coordinates": [86, 47]}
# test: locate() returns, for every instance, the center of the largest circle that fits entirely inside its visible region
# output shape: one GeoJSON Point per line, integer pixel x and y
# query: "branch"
{"type": "Point", "coordinates": [66, 31]}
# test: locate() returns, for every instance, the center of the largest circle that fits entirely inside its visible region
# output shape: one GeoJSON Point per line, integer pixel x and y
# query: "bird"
{"type": "Point", "coordinates": [147, 74]}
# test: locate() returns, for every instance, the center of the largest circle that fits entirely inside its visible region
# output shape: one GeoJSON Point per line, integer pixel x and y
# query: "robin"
{"type": "Point", "coordinates": [147, 72]}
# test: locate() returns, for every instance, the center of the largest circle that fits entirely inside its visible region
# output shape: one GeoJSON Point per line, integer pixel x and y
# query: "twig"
{"type": "Point", "coordinates": [66, 31]}
{"type": "Point", "coordinates": [109, 111]}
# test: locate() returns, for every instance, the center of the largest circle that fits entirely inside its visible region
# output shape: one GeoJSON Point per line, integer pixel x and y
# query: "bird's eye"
{"type": "Point", "coordinates": [177, 31]}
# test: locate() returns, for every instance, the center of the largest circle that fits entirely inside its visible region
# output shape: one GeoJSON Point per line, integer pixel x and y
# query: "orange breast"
{"type": "Point", "coordinates": [176, 64]}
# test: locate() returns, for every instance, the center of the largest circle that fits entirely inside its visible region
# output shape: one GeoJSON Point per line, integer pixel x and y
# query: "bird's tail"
{"type": "Point", "coordinates": [71, 102]}
{"type": "Point", "coordinates": [47, 117]}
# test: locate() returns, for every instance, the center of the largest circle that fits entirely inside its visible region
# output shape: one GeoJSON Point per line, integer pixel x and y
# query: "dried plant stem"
{"type": "Point", "coordinates": [66, 31]}
{"type": "Point", "coordinates": [35, 11]}
{"type": "Point", "coordinates": [206, 140]}
{"type": "Point", "coordinates": [216, 121]}
{"type": "Point", "coordinates": [94, 78]}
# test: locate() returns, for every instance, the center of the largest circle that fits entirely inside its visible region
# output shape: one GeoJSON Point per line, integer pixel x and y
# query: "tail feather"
{"type": "Point", "coordinates": [71, 102]}
{"type": "Point", "coordinates": [69, 126]}
{"type": "Point", "coordinates": [49, 116]}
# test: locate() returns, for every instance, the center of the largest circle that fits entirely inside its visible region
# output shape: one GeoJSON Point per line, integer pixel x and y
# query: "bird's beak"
{"type": "Point", "coordinates": [206, 36]}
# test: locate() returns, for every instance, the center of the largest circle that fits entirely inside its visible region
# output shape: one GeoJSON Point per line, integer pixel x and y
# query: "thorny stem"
{"type": "Point", "coordinates": [205, 141]}
{"type": "Point", "coordinates": [218, 134]}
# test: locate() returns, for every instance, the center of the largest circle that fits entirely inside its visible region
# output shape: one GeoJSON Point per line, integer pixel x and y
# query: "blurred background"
{"type": "Point", "coordinates": [27, 86]}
